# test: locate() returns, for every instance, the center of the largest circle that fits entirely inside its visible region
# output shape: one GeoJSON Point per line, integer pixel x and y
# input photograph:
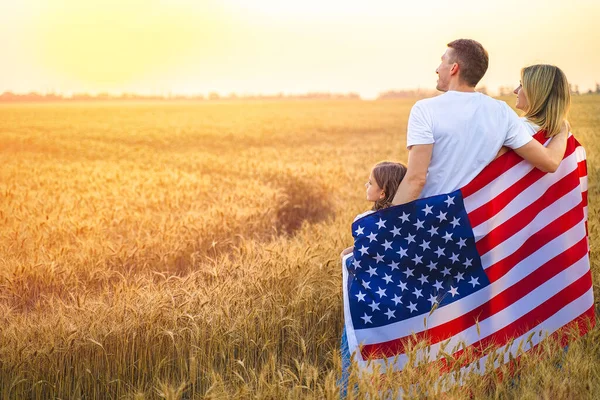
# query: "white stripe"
{"type": "Point", "coordinates": [454, 310]}
{"type": "Point", "coordinates": [580, 151]}
{"type": "Point", "coordinates": [544, 218]}
{"type": "Point", "coordinates": [501, 319]}
{"type": "Point", "coordinates": [583, 182]}
{"type": "Point", "coordinates": [498, 185]}
{"type": "Point", "coordinates": [350, 332]}
{"type": "Point", "coordinates": [567, 314]}
{"type": "Point", "coordinates": [526, 197]}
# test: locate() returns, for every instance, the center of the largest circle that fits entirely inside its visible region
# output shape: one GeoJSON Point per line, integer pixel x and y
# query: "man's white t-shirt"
{"type": "Point", "coordinates": [467, 130]}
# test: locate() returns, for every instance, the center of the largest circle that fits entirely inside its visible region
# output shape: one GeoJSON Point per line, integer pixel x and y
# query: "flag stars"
{"type": "Point", "coordinates": [446, 271]}
{"type": "Point", "coordinates": [408, 272]}
{"type": "Point", "coordinates": [432, 266]}
{"type": "Point", "coordinates": [381, 223]}
{"type": "Point", "coordinates": [474, 281]}
{"type": "Point", "coordinates": [449, 201]}
{"type": "Point", "coordinates": [379, 258]}
{"type": "Point", "coordinates": [439, 252]}
{"type": "Point", "coordinates": [441, 216]}
{"type": "Point", "coordinates": [367, 319]}
{"type": "Point", "coordinates": [419, 224]}
{"type": "Point", "coordinates": [433, 231]}
{"type": "Point", "coordinates": [462, 242]}
{"type": "Point", "coordinates": [453, 291]}
{"type": "Point", "coordinates": [394, 265]}
{"type": "Point", "coordinates": [447, 237]}
{"type": "Point", "coordinates": [371, 271]}
{"type": "Point", "coordinates": [432, 299]}
{"type": "Point", "coordinates": [360, 230]}
{"type": "Point", "coordinates": [423, 279]}
{"type": "Point", "coordinates": [402, 252]}
{"type": "Point", "coordinates": [402, 286]}
{"type": "Point", "coordinates": [381, 293]}
{"type": "Point", "coordinates": [366, 285]}
{"type": "Point", "coordinates": [438, 285]}
{"type": "Point", "coordinates": [412, 307]}
{"type": "Point", "coordinates": [428, 209]}
{"type": "Point", "coordinates": [459, 277]}
{"type": "Point", "coordinates": [410, 238]}
{"type": "Point", "coordinates": [396, 231]}
{"type": "Point", "coordinates": [390, 313]}
{"type": "Point", "coordinates": [418, 293]}
{"type": "Point", "coordinates": [363, 250]}
{"type": "Point", "coordinates": [356, 263]}
{"type": "Point", "coordinates": [454, 258]}
{"type": "Point", "coordinates": [387, 245]}
{"type": "Point", "coordinates": [374, 306]}
{"type": "Point", "coordinates": [372, 236]}
{"type": "Point", "coordinates": [397, 299]}
{"type": "Point", "coordinates": [468, 262]}
{"type": "Point", "coordinates": [387, 278]}
{"type": "Point", "coordinates": [418, 259]}
{"type": "Point", "coordinates": [455, 222]}
{"type": "Point", "coordinates": [425, 245]}
{"type": "Point", "coordinates": [360, 296]}
{"type": "Point", "coordinates": [404, 217]}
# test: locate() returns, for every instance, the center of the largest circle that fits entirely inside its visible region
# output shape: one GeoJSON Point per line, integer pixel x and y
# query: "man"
{"type": "Point", "coordinates": [452, 137]}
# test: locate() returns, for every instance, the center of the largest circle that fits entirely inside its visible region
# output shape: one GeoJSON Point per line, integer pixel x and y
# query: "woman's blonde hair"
{"type": "Point", "coordinates": [549, 97]}
{"type": "Point", "coordinates": [388, 176]}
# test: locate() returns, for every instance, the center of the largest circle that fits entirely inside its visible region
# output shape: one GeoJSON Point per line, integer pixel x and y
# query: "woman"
{"type": "Point", "coordinates": [544, 96]}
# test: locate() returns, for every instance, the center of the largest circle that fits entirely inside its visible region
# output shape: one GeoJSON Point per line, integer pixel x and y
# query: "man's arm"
{"type": "Point", "coordinates": [419, 158]}
{"type": "Point", "coordinates": [546, 159]}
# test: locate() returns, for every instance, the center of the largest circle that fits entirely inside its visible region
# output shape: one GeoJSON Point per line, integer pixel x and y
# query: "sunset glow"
{"type": "Point", "coordinates": [269, 46]}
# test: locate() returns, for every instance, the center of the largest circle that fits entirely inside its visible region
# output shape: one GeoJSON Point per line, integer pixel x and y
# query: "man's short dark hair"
{"type": "Point", "coordinates": [472, 58]}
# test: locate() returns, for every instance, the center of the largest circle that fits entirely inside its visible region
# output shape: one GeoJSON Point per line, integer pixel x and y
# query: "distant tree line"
{"type": "Point", "coordinates": [10, 97]}
{"type": "Point", "coordinates": [508, 90]}
{"type": "Point", "coordinates": [53, 97]}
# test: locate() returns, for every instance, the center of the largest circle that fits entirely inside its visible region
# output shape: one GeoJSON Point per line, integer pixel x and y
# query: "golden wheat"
{"type": "Point", "coordinates": [182, 250]}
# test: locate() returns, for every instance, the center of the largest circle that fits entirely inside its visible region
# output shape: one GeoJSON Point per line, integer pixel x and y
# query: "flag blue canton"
{"type": "Point", "coordinates": [409, 258]}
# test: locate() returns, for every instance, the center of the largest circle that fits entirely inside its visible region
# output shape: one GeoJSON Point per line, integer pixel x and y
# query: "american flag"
{"type": "Point", "coordinates": [503, 260]}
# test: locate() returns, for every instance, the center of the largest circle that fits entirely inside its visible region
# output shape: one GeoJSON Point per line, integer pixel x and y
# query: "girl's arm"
{"type": "Point", "coordinates": [347, 250]}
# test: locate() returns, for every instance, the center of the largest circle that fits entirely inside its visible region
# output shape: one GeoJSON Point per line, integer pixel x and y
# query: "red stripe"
{"type": "Point", "coordinates": [584, 201]}
{"type": "Point", "coordinates": [536, 316]}
{"type": "Point", "coordinates": [581, 325]}
{"type": "Point", "coordinates": [496, 304]}
{"type": "Point", "coordinates": [582, 165]}
{"type": "Point", "coordinates": [496, 168]}
{"type": "Point", "coordinates": [521, 219]}
{"type": "Point", "coordinates": [564, 335]}
{"type": "Point", "coordinates": [497, 204]}
{"type": "Point", "coordinates": [491, 172]}
{"type": "Point", "coordinates": [535, 241]}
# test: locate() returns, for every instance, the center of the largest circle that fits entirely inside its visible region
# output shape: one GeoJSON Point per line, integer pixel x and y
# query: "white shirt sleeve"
{"type": "Point", "coordinates": [517, 134]}
{"type": "Point", "coordinates": [420, 126]}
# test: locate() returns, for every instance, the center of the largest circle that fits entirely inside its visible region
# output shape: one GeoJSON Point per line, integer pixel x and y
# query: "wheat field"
{"type": "Point", "coordinates": [191, 250]}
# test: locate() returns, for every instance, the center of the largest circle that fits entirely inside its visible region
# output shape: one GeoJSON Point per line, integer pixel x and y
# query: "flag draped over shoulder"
{"type": "Point", "coordinates": [503, 260]}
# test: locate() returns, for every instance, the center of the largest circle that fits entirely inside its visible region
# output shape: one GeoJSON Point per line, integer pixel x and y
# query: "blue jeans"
{"type": "Point", "coordinates": [346, 360]}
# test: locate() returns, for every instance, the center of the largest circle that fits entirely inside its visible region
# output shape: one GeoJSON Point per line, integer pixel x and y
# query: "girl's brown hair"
{"type": "Point", "coordinates": [388, 176]}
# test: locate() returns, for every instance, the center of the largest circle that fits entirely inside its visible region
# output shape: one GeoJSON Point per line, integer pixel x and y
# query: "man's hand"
{"type": "Point", "coordinates": [546, 159]}
{"type": "Point", "coordinates": [419, 158]}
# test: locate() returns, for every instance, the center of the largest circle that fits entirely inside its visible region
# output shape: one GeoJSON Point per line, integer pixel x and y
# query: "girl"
{"type": "Point", "coordinates": [381, 188]}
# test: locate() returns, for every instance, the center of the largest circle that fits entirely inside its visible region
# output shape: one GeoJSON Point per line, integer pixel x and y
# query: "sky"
{"type": "Point", "coordinates": [272, 46]}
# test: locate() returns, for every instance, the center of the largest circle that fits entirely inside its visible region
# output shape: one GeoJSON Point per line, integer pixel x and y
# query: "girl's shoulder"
{"type": "Point", "coordinates": [359, 216]}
